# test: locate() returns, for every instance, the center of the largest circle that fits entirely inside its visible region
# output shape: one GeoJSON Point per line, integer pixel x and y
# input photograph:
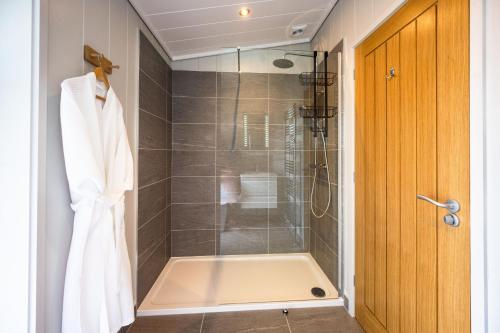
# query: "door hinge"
{"type": "Point", "coordinates": [354, 280]}
{"type": "Point", "coordinates": [354, 74]}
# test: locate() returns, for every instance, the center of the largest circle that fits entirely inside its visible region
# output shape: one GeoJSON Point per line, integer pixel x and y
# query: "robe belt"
{"type": "Point", "coordinates": [109, 202]}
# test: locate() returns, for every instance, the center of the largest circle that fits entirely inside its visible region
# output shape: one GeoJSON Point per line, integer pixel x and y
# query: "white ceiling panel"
{"type": "Point", "coordinates": [165, 6]}
{"type": "Point", "coordinates": [194, 28]}
{"type": "Point", "coordinates": [231, 40]}
{"type": "Point", "coordinates": [214, 29]}
{"type": "Point", "coordinates": [230, 13]}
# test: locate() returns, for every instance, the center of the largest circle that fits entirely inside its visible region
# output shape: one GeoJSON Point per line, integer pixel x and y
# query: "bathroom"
{"type": "Point", "coordinates": [283, 159]}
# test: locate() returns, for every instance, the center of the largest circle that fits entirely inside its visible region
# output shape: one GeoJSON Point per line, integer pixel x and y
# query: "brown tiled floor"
{"type": "Point", "coordinates": [315, 320]}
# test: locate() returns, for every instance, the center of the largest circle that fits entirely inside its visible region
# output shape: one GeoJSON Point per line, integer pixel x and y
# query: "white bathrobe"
{"type": "Point", "coordinates": [98, 288]}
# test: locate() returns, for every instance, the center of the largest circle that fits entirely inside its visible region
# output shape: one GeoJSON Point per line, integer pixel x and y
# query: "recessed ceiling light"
{"type": "Point", "coordinates": [244, 12]}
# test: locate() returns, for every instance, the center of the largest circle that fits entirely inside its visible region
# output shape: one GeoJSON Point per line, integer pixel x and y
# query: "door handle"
{"type": "Point", "coordinates": [451, 205]}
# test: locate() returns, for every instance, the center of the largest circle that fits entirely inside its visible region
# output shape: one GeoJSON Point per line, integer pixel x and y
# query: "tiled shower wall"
{"type": "Point", "coordinates": [229, 191]}
{"type": "Point", "coordinates": [325, 230]}
{"type": "Point", "coordinates": [155, 115]}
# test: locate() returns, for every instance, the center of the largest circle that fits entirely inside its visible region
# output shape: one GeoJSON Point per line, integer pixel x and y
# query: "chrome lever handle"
{"type": "Point", "coordinates": [452, 205]}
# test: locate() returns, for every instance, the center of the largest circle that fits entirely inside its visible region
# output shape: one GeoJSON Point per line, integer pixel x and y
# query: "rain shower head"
{"type": "Point", "coordinates": [283, 63]}
{"type": "Point", "coordinates": [286, 63]}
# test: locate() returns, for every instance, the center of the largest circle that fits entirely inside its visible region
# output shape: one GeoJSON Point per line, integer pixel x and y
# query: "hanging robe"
{"type": "Point", "coordinates": [98, 288]}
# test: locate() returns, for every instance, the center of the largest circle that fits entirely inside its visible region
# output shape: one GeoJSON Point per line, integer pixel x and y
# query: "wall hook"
{"type": "Point", "coordinates": [392, 73]}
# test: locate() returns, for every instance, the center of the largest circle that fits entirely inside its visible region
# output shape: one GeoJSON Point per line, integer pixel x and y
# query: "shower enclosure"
{"type": "Point", "coordinates": [255, 185]}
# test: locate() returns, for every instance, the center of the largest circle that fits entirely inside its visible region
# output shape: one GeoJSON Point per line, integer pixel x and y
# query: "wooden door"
{"type": "Point", "coordinates": [412, 137]}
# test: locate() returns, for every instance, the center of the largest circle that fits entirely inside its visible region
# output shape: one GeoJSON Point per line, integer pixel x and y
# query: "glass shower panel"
{"type": "Point", "coordinates": [262, 155]}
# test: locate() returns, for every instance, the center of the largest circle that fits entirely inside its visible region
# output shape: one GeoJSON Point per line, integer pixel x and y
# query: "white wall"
{"type": "Point", "coordinates": [350, 22]}
{"type": "Point", "coordinates": [111, 27]}
{"type": "Point", "coordinates": [15, 163]}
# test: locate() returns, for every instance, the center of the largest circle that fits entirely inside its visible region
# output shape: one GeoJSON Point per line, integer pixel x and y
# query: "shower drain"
{"type": "Point", "coordinates": [318, 292]}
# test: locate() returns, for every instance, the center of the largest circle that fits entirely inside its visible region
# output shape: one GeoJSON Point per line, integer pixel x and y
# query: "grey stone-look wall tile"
{"type": "Point", "coordinates": [169, 79]}
{"type": "Point", "coordinates": [189, 110]}
{"type": "Point", "coordinates": [321, 197]}
{"type": "Point", "coordinates": [242, 241]}
{"type": "Point", "coordinates": [169, 163]}
{"type": "Point", "coordinates": [194, 84]}
{"type": "Point", "coordinates": [251, 137]}
{"type": "Point", "coordinates": [152, 63]}
{"type": "Point", "coordinates": [193, 163]}
{"type": "Point", "coordinates": [288, 240]}
{"type": "Point", "coordinates": [152, 166]}
{"type": "Point", "coordinates": [288, 214]}
{"type": "Point", "coordinates": [333, 163]}
{"type": "Point", "coordinates": [312, 243]}
{"type": "Point", "coordinates": [168, 246]}
{"type": "Point", "coordinates": [168, 190]}
{"type": "Point", "coordinates": [232, 111]}
{"type": "Point", "coordinates": [247, 190]}
{"type": "Point", "coordinates": [285, 86]}
{"type": "Point", "coordinates": [299, 187]}
{"type": "Point", "coordinates": [332, 139]}
{"type": "Point", "coordinates": [151, 200]}
{"type": "Point", "coordinates": [327, 260]}
{"type": "Point", "coordinates": [237, 163]}
{"type": "Point", "coordinates": [297, 161]}
{"type": "Point", "coordinates": [278, 160]}
{"type": "Point", "coordinates": [237, 216]}
{"type": "Point", "coordinates": [152, 97]}
{"type": "Point", "coordinates": [170, 135]}
{"type": "Point", "coordinates": [193, 243]}
{"type": "Point", "coordinates": [249, 141]}
{"type": "Point", "coordinates": [279, 108]}
{"type": "Point", "coordinates": [170, 107]}
{"type": "Point", "coordinates": [193, 216]}
{"type": "Point", "coordinates": [168, 221]}
{"type": "Point", "coordinates": [193, 137]}
{"type": "Point", "coordinates": [242, 85]}
{"type": "Point", "coordinates": [193, 189]}
{"type": "Point", "coordinates": [152, 131]}
{"type": "Point", "coordinates": [150, 235]}
{"type": "Point", "coordinates": [335, 202]}
{"type": "Point", "coordinates": [326, 229]}
{"type": "Point", "coordinates": [277, 137]}
{"type": "Point", "coordinates": [149, 271]}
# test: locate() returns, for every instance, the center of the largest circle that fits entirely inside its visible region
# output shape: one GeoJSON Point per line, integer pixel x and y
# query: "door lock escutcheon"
{"type": "Point", "coordinates": [453, 206]}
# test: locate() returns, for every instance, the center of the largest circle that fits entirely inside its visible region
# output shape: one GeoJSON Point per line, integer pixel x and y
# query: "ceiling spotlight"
{"type": "Point", "coordinates": [244, 12]}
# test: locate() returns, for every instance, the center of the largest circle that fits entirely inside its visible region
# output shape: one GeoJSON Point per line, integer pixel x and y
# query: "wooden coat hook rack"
{"type": "Point", "coordinates": [98, 59]}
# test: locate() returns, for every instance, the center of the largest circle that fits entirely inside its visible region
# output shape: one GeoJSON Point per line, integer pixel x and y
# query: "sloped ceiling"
{"type": "Point", "coordinates": [194, 28]}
